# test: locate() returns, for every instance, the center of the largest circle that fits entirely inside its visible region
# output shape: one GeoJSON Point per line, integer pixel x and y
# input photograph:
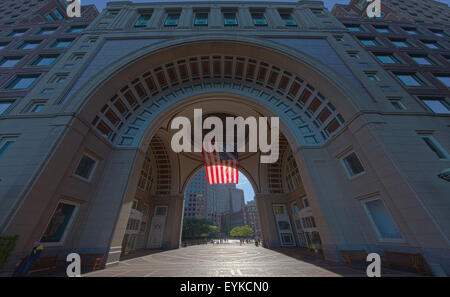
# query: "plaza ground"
{"type": "Point", "coordinates": [226, 260]}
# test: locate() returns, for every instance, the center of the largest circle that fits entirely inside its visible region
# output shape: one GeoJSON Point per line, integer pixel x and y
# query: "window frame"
{"type": "Point", "coordinates": [445, 103]}
{"type": "Point", "coordinates": [350, 175]}
{"type": "Point", "coordinates": [374, 225]}
{"type": "Point", "coordinates": [3, 141]}
{"type": "Point", "coordinates": [92, 172]}
{"type": "Point", "coordinates": [437, 146]}
{"type": "Point", "coordinates": [68, 226]}
{"type": "Point", "coordinates": [421, 82]}
{"type": "Point", "coordinates": [16, 78]}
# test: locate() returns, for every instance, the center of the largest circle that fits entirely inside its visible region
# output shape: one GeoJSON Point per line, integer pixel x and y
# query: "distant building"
{"type": "Point", "coordinates": [195, 197]}
{"type": "Point", "coordinates": [252, 218]}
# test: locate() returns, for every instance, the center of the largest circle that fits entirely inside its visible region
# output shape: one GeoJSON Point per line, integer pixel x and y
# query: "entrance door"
{"type": "Point", "coordinates": [283, 225]}
{"type": "Point", "coordinates": [157, 227]}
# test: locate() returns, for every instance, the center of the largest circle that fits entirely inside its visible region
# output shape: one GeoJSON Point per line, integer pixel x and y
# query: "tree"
{"type": "Point", "coordinates": [198, 228]}
{"type": "Point", "coordinates": [241, 231]}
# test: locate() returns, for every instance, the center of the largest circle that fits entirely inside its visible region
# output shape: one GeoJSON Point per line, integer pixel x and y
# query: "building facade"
{"type": "Point", "coordinates": [70, 172]}
{"type": "Point", "coordinates": [252, 218]}
{"type": "Point", "coordinates": [411, 42]}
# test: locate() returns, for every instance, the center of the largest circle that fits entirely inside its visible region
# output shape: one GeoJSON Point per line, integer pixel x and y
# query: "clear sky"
{"type": "Point", "coordinates": [102, 3]}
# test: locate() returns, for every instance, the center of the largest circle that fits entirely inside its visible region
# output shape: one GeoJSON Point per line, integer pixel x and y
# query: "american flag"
{"type": "Point", "coordinates": [221, 167]}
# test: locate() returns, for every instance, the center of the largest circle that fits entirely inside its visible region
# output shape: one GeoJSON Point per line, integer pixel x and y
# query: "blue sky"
{"type": "Point", "coordinates": [245, 185]}
{"type": "Point", "coordinates": [102, 3]}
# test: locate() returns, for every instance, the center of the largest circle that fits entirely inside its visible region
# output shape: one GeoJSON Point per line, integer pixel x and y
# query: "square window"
{"type": "Point", "coordinates": [59, 223]}
{"type": "Point", "coordinates": [50, 18]}
{"type": "Point", "coordinates": [8, 62]}
{"type": "Point", "coordinates": [36, 107]}
{"type": "Point", "coordinates": [353, 27]}
{"type": "Point", "coordinates": [143, 20]}
{"type": "Point", "coordinates": [431, 44]}
{"type": "Point", "coordinates": [4, 106]}
{"type": "Point", "coordinates": [30, 44]}
{"type": "Point", "coordinates": [397, 105]}
{"type": "Point", "coordinates": [172, 19]}
{"type": "Point", "coordinates": [46, 31]}
{"type": "Point", "coordinates": [410, 80]}
{"type": "Point", "coordinates": [445, 79]}
{"type": "Point", "coordinates": [438, 32]}
{"type": "Point", "coordinates": [76, 29]}
{"type": "Point", "coordinates": [412, 31]}
{"type": "Point", "coordinates": [369, 42]}
{"type": "Point", "coordinates": [230, 19]}
{"type": "Point", "coordinates": [387, 58]}
{"type": "Point", "coordinates": [436, 105]}
{"type": "Point", "coordinates": [61, 43]}
{"type": "Point", "coordinates": [86, 167]}
{"type": "Point", "coordinates": [400, 43]}
{"type": "Point", "coordinates": [288, 19]}
{"type": "Point", "coordinates": [45, 60]}
{"type": "Point", "coordinates": [201, 19]}
{"type": "Point", "coordinates": [17, 33]}
{"type": "Point", "coordinates": [5, 145]}
{"type": "Point", "coordinates": [23, 81]}
{"type": "Point", "coordinates": [384, 224]}
{"type": "Point", "coordinates": [58, 14]}
{"type": "Point", "coordinates": [382, 29]}
{"type": "Point", "coordinates": [3, 45]}
{"type": "Point", "coordinates": [435, 147]}
{"type": "Point", "coordinates": [422, 60]}
{"type": "Point", "coordinates": [353, 165]}
{"type": "Point", "coordinates": [259, 19]}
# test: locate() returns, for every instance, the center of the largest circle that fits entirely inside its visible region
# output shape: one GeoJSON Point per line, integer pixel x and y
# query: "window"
{"type": "Point", "coordinates": [45, 60]}
{"type": "Point", "coordinates": [50, 18]}
{"type": "Point", "coordinates": [36, 107]}
{"type": "Point", "coordinates": [436, 105]}
{"type": "Point", "coordinates": [353, 165]}
{"type": "Point", "coordinates": [143, 20]}
{"type": "Point", "coordinates": [3, 45]}
{"type": "Point", "coordinates": [422, 60]}
{"type": "Point", "coordinates": [172, 19]}
{"type": "Point", "coordinates": [412, 31]}
{"type": "Point", "coordinates": [60, 43]}
{"type": "Point", "coordinates": [8, 62]}
{"type": "Point", "coordinates": [410, 80]}
{"type": "Point", "coordinates": [353, 27]}
{"type": "Point", "coordinates": [369, 42]}
{"type": "Point", "coordinates": [4, 106]}
{"type": "Point", "coordinates": [86, 167]}
{"type": "Point", "coordinates": [397, 105]}
{"type": "Point", "coordinates": [201, 19]}
{"type": "Point", "coordinates": [445, 79]}
{"type": "Point", "coordinates": [431, 44]}
{"type": "Point", "coordinates": [373, 76]}
{"type": "Point", "coordinates": [400, 43]}
{"type": "Point", "coordinates": [59, 223]}
{"type": "Point", "coordinates": [17, 33]}
{"type": "Point", "coordinates": [259, 19]}
{"type": "Point", "coordinates": [382, 29]}
{"type": "Point", "coordinates": [23, 81]}
{"type": "Point", "coordinates": [387, 59]}
{"type": "Point", "coordinates": [438, 32]}
{"type": "Point", "coordinates": [435, 146]}
{"type": "Point", "coordinates": [288, 19]}
{"type": "Point", "coordinates": [5, 145]}
{"type": "Point", "coordinates": [30, 44]}
{"type": "Point", "coordinates": [46, 31]}
{"type": "Point", "coordinates": [230, 19]}
{"type": "Point", "coordinates": [381, 219]}
{"type": "Point", "coordinates": [58, 14]}
{"type": "Point", "coordinates": [76, 29]}
{"type": "Point", "coordinates": [292, 174]}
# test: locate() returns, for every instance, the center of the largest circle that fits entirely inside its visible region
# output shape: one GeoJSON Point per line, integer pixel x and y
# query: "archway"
{"type": "Point", "coordinates": [131, 110]}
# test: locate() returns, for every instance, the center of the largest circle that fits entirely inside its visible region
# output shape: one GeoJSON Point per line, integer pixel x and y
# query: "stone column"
{"type": "Point", "coordinates": [274, 19]}
{"type": "Point", "coordinates": [215, 19]}
{"type": "Point", "coordinates": [245, 18]}
{"type": "Point", "coordinates": [156, 18]}
{"type": "Point", "coordinates": [105, 226]}
{"type": "Point", "coordinates": [307, 18]}
{"type": "Point", "coordinates": [269, 230]}
{"type": "Point", "coordinates": [186, 18]}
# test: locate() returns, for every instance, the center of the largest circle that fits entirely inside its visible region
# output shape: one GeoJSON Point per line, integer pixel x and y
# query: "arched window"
{"type": "Point", "coordinates": [293, 180]}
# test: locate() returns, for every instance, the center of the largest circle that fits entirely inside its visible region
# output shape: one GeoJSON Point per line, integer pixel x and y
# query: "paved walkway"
{"type": "Point", "coordinates": [228, 260]}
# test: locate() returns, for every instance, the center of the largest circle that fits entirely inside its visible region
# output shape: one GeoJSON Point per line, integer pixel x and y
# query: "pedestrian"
{"type": "Point", "coordinates": [30, 259]}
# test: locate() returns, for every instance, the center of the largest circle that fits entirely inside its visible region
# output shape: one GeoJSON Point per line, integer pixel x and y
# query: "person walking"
{"type": "Point", "coordinates": [30, 259]}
